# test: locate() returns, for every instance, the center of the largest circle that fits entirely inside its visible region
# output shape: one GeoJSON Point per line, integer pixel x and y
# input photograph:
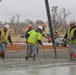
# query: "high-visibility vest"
{"type": "Point", "coordinates": [70, 34]}
{"type": "Point", "coordinates": [4, 36]}
{"type": "Point", "coordinates": [34, 37]}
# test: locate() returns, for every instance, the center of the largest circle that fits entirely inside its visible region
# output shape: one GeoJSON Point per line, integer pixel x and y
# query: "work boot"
{"type": "Point", "coordinates": [3, 56]}
{"type": "Point", "coordinates": [30, 56]}
{"type": "Point", "coordinates": [72, 58]}
{"type": "Point", "coordinates": [0, 56]}
{"type": "Point", "coordinates": [26, 57]}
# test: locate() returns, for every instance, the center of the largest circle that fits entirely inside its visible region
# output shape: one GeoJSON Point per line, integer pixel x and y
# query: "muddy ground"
{"type": "Point", "coordinates": [16, 59]}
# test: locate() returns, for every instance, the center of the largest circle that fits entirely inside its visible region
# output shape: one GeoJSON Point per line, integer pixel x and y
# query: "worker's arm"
{"type": "Point", "coordinates": [9, 38]}
{"type": "Point", "coordinates": [39, 41]}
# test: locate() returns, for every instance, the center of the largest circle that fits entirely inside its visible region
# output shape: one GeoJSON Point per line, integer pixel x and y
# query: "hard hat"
{"type": "Point", "coordinates": [6, 26]}
{"type": "Point", "coordinates": [72, 22]}
{"type": "Point", "coordinates": [40, 27]}
{"type": "Point", "coordinates": [30, 26]}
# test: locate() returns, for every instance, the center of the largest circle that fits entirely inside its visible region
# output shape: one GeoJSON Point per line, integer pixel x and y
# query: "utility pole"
{"type": "Point", "coordinates": [50, 26]}
{"type": "Point", "coordinates": [0, 0]}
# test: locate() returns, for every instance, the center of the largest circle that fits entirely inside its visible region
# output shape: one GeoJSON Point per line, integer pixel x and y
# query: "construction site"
{"type": "Point", "coordinates": [37, 40]}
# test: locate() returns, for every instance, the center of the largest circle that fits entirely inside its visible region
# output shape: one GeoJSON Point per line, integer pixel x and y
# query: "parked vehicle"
{"type": "Point", "coordinates": [61, 41]}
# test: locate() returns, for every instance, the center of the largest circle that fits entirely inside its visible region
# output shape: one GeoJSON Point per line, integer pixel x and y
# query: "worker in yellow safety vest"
{"type": "Point", "coordinates": [4, 39]}
{"type": "Point", "coordinates": [71, 37]}
{"type": "Point", "coordinates": [30, 27]}
{"type": "Point", "coordinates": [34, 40]}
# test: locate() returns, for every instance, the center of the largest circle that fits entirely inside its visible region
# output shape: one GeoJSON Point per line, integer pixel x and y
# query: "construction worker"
{"type": "Point", "coordinates": [34, 40]}
{"type": "Point", "coordinates": [30, 27]}
{"type": "Point", "coordinates": [71, 37]}
{"type": "Point", "coordinates": [4, 39]}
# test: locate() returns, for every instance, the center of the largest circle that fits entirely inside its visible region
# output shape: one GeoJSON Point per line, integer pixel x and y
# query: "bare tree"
{"type": "Point", "coordinates": [59, 19]}
{"type": "Point", "coordinates": [18, 19]}
{"type": "Point", "coordinates": [27, 22]}
{"type": "Point", "coordinates": [12, 20]}
{"type": "Point", "coordinates": [1, 24]}
{"type": "Point", "coordinates": [62, 17]}
{"type": "Point", "coordinates": [39, 22]}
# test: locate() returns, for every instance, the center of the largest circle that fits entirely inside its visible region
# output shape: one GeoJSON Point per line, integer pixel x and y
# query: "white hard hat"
{"type": "Point", "coordinates": [72, 22]}
{"type": "Point", "coordinates": [40, 27]}
{"type": "Point", "coordinates": [6, 26]}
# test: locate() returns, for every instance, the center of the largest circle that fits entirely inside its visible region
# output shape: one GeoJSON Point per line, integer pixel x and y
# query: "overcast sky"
{"type": "Point", "coordinates": [34, 9]}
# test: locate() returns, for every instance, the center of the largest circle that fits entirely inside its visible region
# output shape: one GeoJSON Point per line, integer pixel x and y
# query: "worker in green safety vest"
{"type": "Point", "coordinates": [34, 40]}
{"type": "Point", "coordinates": [71, 37]}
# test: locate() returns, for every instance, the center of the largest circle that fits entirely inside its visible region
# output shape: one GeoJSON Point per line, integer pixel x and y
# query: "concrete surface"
{"type": "Point", "coordinates": [15, 63]}
{"type": "Point", "coordinates": [59, 70]}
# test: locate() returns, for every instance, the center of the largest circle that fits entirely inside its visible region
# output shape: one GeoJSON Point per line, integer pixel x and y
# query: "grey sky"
{"type": "Point", "coordinates": [34, 9]}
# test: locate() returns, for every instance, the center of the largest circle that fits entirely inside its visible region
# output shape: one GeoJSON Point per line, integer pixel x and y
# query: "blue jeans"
{"type": "Point", "coordinates": [33, 48]}
{"type": "Point", "coordinates": [3, 46]}
{"type": "Point", "coordinates": [27, 48]}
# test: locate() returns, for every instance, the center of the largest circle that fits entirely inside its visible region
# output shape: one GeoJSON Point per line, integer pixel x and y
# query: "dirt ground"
{"type": "Point", "coordinates": [24, 47]}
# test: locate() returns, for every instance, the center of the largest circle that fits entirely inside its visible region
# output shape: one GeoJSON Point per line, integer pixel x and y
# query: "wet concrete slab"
{"type": "Point", "coordinates": [59, 70]}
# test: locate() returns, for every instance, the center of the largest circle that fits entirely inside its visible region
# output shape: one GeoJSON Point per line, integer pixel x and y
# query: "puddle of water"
{"type": "Point", "coordinates": [61, 70]}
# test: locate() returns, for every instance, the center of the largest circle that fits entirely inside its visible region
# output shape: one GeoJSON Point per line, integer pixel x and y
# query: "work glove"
{"type": "Point", "coordinates": [42, 44]}
{"type": "Point", "coordinates": [11, 43]}
{"type": "Point", "coordinates": [26, 42]}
